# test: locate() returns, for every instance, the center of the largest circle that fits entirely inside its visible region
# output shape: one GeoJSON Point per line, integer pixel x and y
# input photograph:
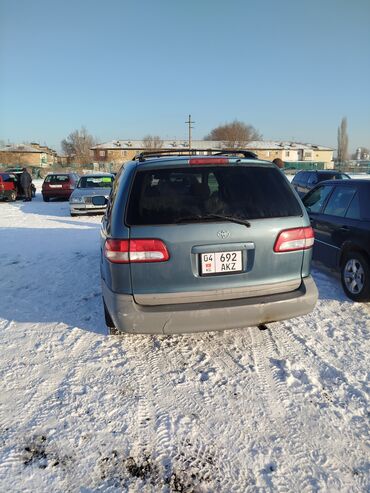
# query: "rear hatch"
{"type": "Point", "coordinates": [7, 183]}
{"type": "Point", "coordinates": [57, 183]}
{"type": "Point", "coordinates": [219, 226]}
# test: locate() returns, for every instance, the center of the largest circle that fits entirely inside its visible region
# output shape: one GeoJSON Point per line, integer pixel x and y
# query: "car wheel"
{"type": "Point", "coordinates": [45, 198]}
{"type": "Point", "coordinates": [13, 196]}
{"type": "Point", "coordinates": [355, 276]}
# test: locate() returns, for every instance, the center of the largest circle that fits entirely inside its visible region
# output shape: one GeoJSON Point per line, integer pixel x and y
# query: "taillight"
{"type": "Point", "coordinates": [117, 251]}
{"type": "Point", "coordinates": [141, 250]}
{"type": "Point", "coordinates": [208, 160]}
{"type": "Point", "coordinates": [290, 240]}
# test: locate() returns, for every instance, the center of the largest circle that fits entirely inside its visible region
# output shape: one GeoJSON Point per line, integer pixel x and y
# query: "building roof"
{"type": "Point", "coordinates": [207, 144]}
{"type": "Point", "coordinates": [165, 144]}
{"type": "Point", "coordinates": [19, 148]}
{"type": "Point", "coordinates": [27, 148]}
{"type": "Point", "coordinates": [285, 145]}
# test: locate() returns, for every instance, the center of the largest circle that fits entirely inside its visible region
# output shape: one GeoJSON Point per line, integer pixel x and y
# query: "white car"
{"type": "Point", "coordinates": [91, 194]}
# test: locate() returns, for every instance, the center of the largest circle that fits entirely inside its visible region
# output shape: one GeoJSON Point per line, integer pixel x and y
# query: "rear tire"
{"type": "Point", "coordinates": [13, 196]}
{"type": "Point", "coordinates": [355, 276]}
{"type": "Point", "coordinates": [45, 198]}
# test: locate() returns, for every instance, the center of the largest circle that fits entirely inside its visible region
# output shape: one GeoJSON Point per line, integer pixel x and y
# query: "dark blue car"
{"type": "Point", "coordinates": [339, 211]}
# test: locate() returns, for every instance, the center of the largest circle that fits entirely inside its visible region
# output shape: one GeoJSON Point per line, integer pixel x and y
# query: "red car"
{"type": "Point", "coordinates": [8, 186]}
{"type": "Point", "coordinates": [59, 185]}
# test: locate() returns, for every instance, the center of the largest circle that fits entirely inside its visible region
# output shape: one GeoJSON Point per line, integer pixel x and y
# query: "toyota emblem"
{"type": "Point", "coordinates": [223, 234]}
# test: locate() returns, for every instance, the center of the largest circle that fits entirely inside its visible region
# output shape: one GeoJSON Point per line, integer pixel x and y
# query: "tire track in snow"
{"type": "Point", "coordinates": [287, 420]}
{"type": "Point", "coordinates": [199, 456]}
{"type": "Point", "coordinates": [191, 460]}
{"type": "Point", "coordinates": [353, 448]}
{"type": "Point", "coordinates": [154, 422]}
{"type": "Point", "coordinates": [226, 355]}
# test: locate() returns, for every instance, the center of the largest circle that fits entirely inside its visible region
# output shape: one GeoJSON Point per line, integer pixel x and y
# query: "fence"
{"type": "Point", "coordinates": [306, 165]}
{"type": "Point", "coordinates": [354, 167]}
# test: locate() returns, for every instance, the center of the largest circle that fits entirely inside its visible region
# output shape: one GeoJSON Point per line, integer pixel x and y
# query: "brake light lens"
{"type": "Point", "coordinates": [208, 160]}
{"type": "Point", "coordinates": [290, 240]}
{"type": "Point", "coordinates": [132, 251]}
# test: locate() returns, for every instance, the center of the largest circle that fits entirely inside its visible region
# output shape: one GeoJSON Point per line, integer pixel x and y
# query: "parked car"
{"type": "Point", "coordinates": [304, 181]}
{"type": "Point", "coordinates": [339, 211]}
{"type": "Point", "coordinates": [59, 185]}
{"type": "Point", "coordinates": [8, 187]}
{"type": "Point", "coordinates": [198, 243]}
{"type": "Point", "coordinates": [16, 174]}
{"type": "Point", "coordinates": [91, 194]}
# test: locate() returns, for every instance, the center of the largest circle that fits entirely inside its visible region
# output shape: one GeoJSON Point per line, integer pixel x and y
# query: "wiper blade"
{"type": "Point", "coordinates": [200, 217]}
{"type": "Point", "coordinates": [232, 219]}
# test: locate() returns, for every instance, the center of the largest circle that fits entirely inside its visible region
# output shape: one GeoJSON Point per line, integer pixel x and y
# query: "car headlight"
{"type": "Point", "coordinates": [76, 200]}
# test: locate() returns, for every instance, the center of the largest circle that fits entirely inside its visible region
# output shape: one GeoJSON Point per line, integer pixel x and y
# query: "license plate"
{"type": "Point", "coordinates": [56, 186]}
{"type": "Point", "coordinates": [221, 262]}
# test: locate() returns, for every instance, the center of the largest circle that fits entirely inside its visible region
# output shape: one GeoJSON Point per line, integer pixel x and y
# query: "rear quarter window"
{"type": "Point", "coordinates": [171, 195]}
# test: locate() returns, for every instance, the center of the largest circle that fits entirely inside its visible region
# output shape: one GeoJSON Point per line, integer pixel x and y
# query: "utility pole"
{"type": "Point", "coordinates": [189, 122]}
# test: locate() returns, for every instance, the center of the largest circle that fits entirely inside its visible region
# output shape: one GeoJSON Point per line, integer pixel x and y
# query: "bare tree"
{"type": "Point", "coordinates": [235, 134]}
{"type": "Point", "coordinates": [342, 152]}
{"type": "Point", "coordinates": [77, 146]}
{"type": "Point", "coordinates": [152, 142]}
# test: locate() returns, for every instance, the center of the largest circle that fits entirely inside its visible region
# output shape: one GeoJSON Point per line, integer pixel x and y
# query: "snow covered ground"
{"type": "Point", "coordinates": [284, 409]}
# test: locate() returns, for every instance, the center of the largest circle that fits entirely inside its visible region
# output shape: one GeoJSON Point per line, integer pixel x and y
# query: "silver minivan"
{"type": "Point", "coordinates": [199, 243]}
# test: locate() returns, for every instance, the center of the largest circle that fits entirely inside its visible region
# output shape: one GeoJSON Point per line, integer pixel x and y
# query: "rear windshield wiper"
{"type": "Point", "coordinates": [200, 217]}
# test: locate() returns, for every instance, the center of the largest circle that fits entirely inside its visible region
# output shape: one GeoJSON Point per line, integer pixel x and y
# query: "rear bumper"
{"type": "Point", "coordinates": [57, 193]}
{"type": "Point", "coordinates": [130, 317]}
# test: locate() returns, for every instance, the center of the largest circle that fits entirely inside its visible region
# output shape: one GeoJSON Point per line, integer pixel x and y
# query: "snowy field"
{"type": "Point", "coordinates": [281, 410]}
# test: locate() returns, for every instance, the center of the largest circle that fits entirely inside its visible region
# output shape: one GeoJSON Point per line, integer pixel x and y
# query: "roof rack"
{"type": "Point", "coordinates": [193, 152]}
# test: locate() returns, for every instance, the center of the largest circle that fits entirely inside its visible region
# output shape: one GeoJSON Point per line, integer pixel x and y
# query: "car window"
{"type": "Point", "coordinates": [8, 178]}
{"type": "Point", "coordinates": [95, 182]}
{"type": "Point", "coordinates": [56, 179]}
{"type": "Point", "coordinates": [315, 199]}
{"type": "Point", "coordinates": [168, 196]}
{"type": "Point", "coordinates": [305, 177]}
{"type": "Point", "coordinates": [339, 201]}
{"type": "Point", "coordinates": [354, 211]}
{"type": "Point", "coordinates": [312, 179]}
{"type": "Point", "coordinates": [296, 179]}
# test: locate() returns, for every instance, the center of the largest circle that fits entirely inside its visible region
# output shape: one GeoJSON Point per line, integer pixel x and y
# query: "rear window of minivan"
{"type": "Point", "coordinates": [174, 195]}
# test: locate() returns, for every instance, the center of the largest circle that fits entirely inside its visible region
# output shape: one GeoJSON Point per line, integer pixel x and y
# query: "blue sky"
{"type": "Point", "coordinates": [124, 69]}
